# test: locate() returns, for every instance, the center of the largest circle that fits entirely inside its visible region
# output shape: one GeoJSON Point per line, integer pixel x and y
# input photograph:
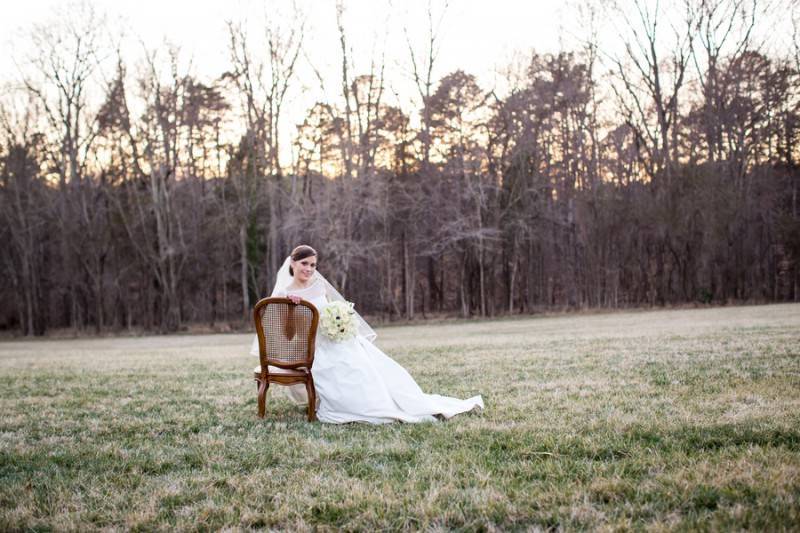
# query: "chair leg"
{"type": "Point", "coordinates": [312, 399]}
{"type": "Point", "coordinates": [262, 398]}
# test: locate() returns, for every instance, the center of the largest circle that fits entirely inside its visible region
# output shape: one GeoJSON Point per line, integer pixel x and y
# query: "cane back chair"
{"type": "Point", "coordinates": [286, 332]}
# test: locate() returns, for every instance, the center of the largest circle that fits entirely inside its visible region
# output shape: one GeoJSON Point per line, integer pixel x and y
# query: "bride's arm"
{"type": "Point", "coordinates": [284, 294]}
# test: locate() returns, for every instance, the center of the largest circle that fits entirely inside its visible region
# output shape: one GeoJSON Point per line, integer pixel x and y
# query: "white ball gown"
{"type": "Point", "coordinates": [357, 382]}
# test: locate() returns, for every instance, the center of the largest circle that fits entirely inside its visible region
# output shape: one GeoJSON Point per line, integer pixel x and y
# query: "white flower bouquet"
{"type": "Point", "coordinates": [338, 322]}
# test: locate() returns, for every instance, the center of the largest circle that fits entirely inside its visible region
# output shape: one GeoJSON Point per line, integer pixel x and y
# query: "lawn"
{"type": "Point", "coordinates": [647, 420]}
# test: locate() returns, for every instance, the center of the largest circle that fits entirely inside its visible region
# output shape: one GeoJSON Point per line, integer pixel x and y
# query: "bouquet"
{"type": "Point", "coordinates": [338, 321]}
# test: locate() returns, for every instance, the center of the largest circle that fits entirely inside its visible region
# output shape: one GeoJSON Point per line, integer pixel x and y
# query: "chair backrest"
{"type": "Point", "coordinates": [286, 332]}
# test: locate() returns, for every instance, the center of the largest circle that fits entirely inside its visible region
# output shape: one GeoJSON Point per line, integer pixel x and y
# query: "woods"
{"type": "Point", "coordinates": [140, 196]}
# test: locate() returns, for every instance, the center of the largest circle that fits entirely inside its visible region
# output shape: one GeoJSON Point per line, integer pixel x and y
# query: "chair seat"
{"type": "Point", "coordinates": [279, 370]}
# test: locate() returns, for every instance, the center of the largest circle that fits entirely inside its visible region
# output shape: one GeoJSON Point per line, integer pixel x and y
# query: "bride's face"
{"type": "Point", "coordinates": [304, 268]}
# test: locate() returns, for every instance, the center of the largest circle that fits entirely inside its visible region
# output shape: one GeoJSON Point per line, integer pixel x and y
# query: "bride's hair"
{"type": "Point", "coordinates": [301, 252]}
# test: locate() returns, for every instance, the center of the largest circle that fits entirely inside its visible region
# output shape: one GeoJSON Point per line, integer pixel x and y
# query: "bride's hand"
{"type": "Point", "coordinates": [294, 298]}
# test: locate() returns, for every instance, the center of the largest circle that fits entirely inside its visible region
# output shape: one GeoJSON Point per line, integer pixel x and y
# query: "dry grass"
{"type": "Point", "coordinates": [656, 420]}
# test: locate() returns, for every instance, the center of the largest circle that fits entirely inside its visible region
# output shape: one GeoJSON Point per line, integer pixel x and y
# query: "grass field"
{"type": "Point", "coordinates": [646, 420]}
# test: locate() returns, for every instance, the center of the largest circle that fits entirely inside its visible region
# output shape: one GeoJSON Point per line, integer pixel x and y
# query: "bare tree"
{"type": "Point", "coordinates": [60, 76]}
{"type": "Point", "coordinates": [422, 68]}
{"type": "Point", "coordinates": [650, 80]}
{"type": "Point", "coordinates": [153, 204]}
{"type": "Point", "coordinates": [721, 24]}
{"type": "Point", "coordinates": [23, 210]}
{"type": "Point", "coordinates": [262, 87]}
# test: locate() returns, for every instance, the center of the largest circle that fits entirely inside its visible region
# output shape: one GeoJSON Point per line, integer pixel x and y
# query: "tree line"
{"type": "Point", "coordinates": [663, 174]}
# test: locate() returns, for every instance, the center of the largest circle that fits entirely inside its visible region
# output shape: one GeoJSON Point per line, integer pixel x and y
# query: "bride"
{"type": "Point", "coordinates": [354, 380]}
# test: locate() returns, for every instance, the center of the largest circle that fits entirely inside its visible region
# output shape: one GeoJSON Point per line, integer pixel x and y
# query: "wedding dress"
{"type": "Point", "coordinates": [356, 382]}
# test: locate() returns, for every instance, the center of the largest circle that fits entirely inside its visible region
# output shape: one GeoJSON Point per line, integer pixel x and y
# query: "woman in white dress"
{"type": "Point", "coordinates": [354, 380]}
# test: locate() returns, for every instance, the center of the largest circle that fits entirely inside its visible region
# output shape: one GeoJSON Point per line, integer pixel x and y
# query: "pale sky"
{"type": "Point", "coordinates": [477, 36]}
{"type": "Point", "coordinates": [480, 37]}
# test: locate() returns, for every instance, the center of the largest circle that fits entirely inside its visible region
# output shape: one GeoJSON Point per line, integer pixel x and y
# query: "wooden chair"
{"type": "Point", "coordinates": [286, 334]}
